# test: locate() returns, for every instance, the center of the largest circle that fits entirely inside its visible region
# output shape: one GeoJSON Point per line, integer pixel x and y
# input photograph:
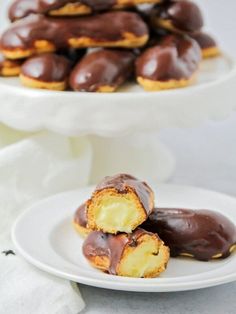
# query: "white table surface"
{"type": "Point", "coordinates": [217, 300]}
{"type": "Point", "coordinates": [206, 157]}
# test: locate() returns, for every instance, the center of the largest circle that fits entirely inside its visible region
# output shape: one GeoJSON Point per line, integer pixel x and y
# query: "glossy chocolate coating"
{"type": "Point", "coordinates": [112, 246]}
{"type": "Point", "coordinates": [201, 233]}
{"type": "Point", "coordinates": [101, 28]}
{"type": "Point", "coordinates": [123, 182]}
{"type": "Point", "coordinates": [46, 68]}
{"type": "Point", "coordinates": [102, 68]}
{"type": "Point", "coordinates": [204, 40]}
{"type": "Point", "coordinates": [22, 8]}
{"type": "Point", "coordinates": [99, 5]}
{"type": "Point", "coordinates": [176, 57]}
{"type": "Point", "coordinates": [80, 216]}
{"type": "Point", "coordinates": [184, 15]}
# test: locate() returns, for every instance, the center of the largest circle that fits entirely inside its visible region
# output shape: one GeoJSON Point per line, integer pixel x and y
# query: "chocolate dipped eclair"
{"type": "Point", "coordinates": [102, 71]}
{"type": "Point", "coordinates": [80, 220]}
{"type": "Point", "coordinates": [180, 16]}
{"type": "Point", "coordinates": [39, 34]}
{"type": "Point", "coordinates": [9, 67]}
{"type": "Point", "coordinates": [201, 234]}
{"type": "Point", "coordinates": [172, 63]}
{"type": "Point", "coordinates": [46, 71]}
{"type": "Point", "coordinates": [207, 44]}
{"type": "Point", "coordinates": [139, 254]}
{"type": "Point", "coordinates": [120, 203]}
{"type": "Point", "coordinates": [22, 8]}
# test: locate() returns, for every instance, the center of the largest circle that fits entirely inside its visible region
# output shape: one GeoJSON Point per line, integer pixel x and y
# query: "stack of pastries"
{"type": "Point", "coordinates": [126, 235]}
{"type": "Point", "coordinates": [97, 46]}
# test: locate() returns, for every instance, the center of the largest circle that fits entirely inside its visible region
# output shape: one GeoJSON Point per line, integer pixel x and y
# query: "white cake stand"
{"type": "Point", "coordinates": [126, 112]}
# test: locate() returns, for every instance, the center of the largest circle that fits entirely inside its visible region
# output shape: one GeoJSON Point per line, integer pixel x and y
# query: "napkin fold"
{"type": "Point", "coordinates": [31, 168]}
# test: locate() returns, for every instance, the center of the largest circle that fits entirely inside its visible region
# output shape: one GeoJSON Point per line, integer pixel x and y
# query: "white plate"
{"type": "Point", "coordinates": [44, 236]}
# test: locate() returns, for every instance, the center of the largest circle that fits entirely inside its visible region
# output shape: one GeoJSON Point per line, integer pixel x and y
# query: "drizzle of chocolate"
{"type": "Point", "coordinates": [122, 183]}
{"type": "Point", "coordinates": [112, 246]}
{"type": "Point", "coordinates": [201, 233]}
{"type": "Point", "coordinates": [46, 68]}
{"type": "Point", "coordinates": [204, 40]}
{"type": "Point", "coordinates": [106, 27]}
{"type": "Point", "coordinates": [184, 15]}
{"type": "Point", "coordinates": [103, 67]}
{"type": "Point", "coordinates": [80, 216]}
{"type": "Point", "coordinates": [175, 57]}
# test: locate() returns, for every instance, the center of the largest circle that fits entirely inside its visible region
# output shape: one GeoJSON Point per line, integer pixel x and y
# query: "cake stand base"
{"type": "Point", "coordinates": [142, 155]}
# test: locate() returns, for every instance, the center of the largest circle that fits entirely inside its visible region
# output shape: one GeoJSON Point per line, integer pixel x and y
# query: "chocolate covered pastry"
{"type": "Point", "coordinates": [177, 16]}
{"type": "Point", "coordinates": [38, 34]}
{"type": "Point", "coordinates": [9, 67]}
{"type": "Point", "coordinates": [201, 234]}
{"type": "Point", "coordinates": [22, 8]}
{"type": "Point", "coordinates": [207, 44]}
{"type": "Point", "coordinates": [171, 64]}
{"type": "Point", "coordinates": [140, 254]}
{"type": "Point", "coordinates": [156, 36]}
{"type": "Point", "coordinates": [47, 71]}
{"type": "Point", "coordinates": [119, 204]}
{"type": "Point", "coordinates": [80, 220]}
{"type": "Point", "coordinates": [102, 71]}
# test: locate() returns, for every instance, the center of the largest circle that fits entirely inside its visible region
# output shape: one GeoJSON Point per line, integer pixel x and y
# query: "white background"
{"type": "Point", "coordinates": [206, 156]}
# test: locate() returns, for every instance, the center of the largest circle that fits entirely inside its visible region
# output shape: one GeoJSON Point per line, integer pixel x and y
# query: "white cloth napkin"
{"type": "Point", "coordinates": [31, 168]}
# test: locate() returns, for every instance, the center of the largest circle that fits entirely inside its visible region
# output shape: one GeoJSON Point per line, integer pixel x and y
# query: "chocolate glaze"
{"type": "Point", "coordinates": [99, 5]}
{"type": "Point", "coordinates": [22, 8]}
{"type": "Point", "coordinates": [103, 67]}
{"type": "Point", "coordinates": [105, 27]}
{"type": "Point", "coordinates": [176, 57]}
{"type": "Point", "coordinates": [80, 216]}
{"type": "Point", "coordinates": [46, 68]}
{"type": "Point", "coordinates": [184, 15]}
{"type": "Point", "coordinates": [123, 182]}
{"type": "Point", "coordinates": [204, 40]}
{"type": "Point", "coordinates": [111, 246]}
{"type": "Point", "coordinates": [201, 233]}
